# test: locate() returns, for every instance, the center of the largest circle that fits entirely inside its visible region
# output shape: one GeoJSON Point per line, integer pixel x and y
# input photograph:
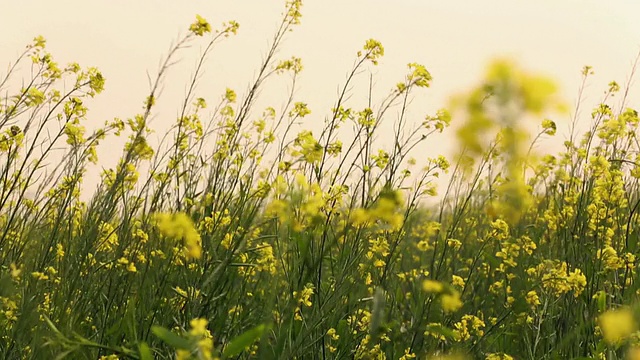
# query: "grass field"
{"type": "Point", "coordinates": [238, 237]}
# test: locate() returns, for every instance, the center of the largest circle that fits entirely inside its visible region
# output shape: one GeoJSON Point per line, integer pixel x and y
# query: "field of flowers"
{"type": "Point", "coordinates": [240, 237]}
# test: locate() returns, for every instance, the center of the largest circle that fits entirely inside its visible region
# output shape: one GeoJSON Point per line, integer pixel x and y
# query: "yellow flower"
{"type": "Point", "coordinates": [549, 127]}
{"type": "Point", "coordinates": [304, 296]}
{"type": "Point", "coordinates": [15, 271]}
{"type": "Point", "coordinates": [617, 325]}
{"type": "Point", "coordinates": [39, 275]}
{"type": "Point", "coordinates": [230, 95]}
{"type": "Point", "coordinates": [180, 226]}
{"type": "Point", "coordinates": [407, 355]}
{"type": "Point", "coordinates": [183, 354]}
{"type": "Point", "coordinates": [359, 217]}
{"type": "Point", "coordinates": [107, 238]}
{"type": "Point", "coordinates": [198, 326]}
{"type": "Point", "coordinates": [200, 26]}
{"type": "Point", "coordinates": [432, 286]}
{"type": "Point", "coordinates": [379, 263]}
{"type": "Point", "coordinates": [532, 298]}
{"type": "Point", "coordinates": [59, 251]}
{"type": "Point", "coordinates": [332, 334]}
{"type": "Point", "coordinates": [451, 302]}
{"type": "Point", "coordinates": [423, 245]}
{"type": "Point", "coordinates": [457, 281]}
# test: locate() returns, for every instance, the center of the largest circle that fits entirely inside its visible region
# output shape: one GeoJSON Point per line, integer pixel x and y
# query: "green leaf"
{"type": "Point", "coordinates": [601, 347]}
{"type": "Point", "coordinates": [441, 330]}
{"type": "Point", "coordinates": [130, 319]}
{"type": "Point", "coordinates": [145, 351]}
{"type": "Point", "coordinates": [51, 325]}
{"type": "Point", "coordinates": [237, 345]}
{"type": "Point", "coordinates": [65, 354]}
{"type": "Point", "coordinates": [343, 331]}
{"type": "Point", "coordinates": [170, 338]}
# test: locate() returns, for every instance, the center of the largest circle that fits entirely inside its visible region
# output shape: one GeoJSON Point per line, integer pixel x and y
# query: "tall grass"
{"type": "Point", "coordinates": [236, 237]}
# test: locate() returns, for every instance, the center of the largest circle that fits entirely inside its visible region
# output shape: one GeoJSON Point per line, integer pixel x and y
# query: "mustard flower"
{"type": "Point", "coordinates": [617, 325]}
{"type": "Point", "coordinates": [200, 26]}
{"type": "Point", "coordinates": [451, 302]}
{"type": "Point", "coordinates": [180, 226]}
{"type": "Point", "coordinates": [432, 286]}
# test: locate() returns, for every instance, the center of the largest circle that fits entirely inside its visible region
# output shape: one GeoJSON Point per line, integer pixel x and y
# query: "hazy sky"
{"type": "Point", "coordinates": [453, 39]}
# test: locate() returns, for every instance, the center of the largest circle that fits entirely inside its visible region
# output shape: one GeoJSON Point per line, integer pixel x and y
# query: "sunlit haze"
{"type": "Point", "coordinates": [455, 40]}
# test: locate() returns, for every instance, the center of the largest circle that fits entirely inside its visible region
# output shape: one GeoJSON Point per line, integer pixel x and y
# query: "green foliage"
{"type": "Point", "coordinates": [242, 342]}
{"type": "Point", "coordinates": [237, 238]}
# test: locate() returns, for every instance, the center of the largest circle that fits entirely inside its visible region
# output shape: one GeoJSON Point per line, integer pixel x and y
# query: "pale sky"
{"type": "Point", "coordinates": [454, 39]}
